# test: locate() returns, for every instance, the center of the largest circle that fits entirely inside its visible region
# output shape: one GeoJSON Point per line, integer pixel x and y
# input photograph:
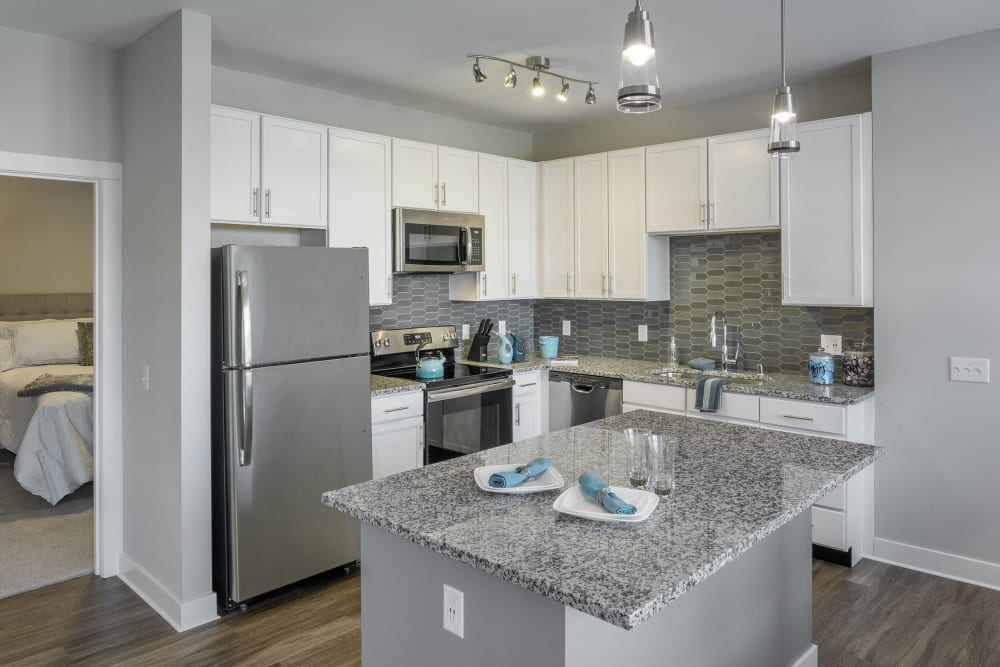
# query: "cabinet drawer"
{"type": "Point", "coordinates": [803, 415]}
{"type": "Point", "coordinates": [836, 499]}
{"type": "Point", "coordinates": [655, 396]}
{"type": "Point", "coordinates": [732, 406]}
{"type": "Point", "coordinates": [829, 528]}
{"type": "Point", "coordinates": [527, 382]}
{"type": "Point", "coordinates": [397, 406]}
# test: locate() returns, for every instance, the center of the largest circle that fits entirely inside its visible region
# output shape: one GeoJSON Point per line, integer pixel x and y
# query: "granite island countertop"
{"type": "Point", "coordinates": [734, 486]}
{"type": "Point", "coordinates": [382, 385]}
{"type": "Point", "coordinates": [776, 385]}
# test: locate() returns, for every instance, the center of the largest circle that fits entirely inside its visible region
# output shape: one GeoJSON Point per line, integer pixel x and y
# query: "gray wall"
{"type": "Point", "coordinates": [166, 246]}
{"type": "Point", "coordinates": [60, 98]}
{"type": "Point", "coordinates": [936, 274]}
{"type": "Point", "coordinates": [281, 98]}
{"type": "Point", "coordinates": [821, 98]}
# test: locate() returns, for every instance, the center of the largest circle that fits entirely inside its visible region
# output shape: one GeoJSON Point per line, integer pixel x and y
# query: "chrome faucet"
{"type": "Point", "coordinates": [719, 339]}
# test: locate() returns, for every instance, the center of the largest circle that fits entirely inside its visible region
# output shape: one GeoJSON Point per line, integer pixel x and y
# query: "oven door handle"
{"type": "Point", "coordinates": [485, 388]}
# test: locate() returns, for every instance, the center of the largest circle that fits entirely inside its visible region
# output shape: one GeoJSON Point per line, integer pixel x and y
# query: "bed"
{"type": "Point", "coordinates": [51, 434]}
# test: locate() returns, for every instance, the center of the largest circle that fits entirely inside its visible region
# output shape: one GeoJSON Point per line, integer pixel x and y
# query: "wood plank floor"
{"type": "Point", "coordinates": [874, 615]}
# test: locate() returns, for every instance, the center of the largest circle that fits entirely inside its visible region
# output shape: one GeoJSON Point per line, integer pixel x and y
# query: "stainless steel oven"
{"type": "Point", "coordinates": [467, 418]}
{"type": "Point", "coordinates": [437, 242]}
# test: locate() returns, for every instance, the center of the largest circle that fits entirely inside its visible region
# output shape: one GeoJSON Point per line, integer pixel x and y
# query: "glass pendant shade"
{"type": "Point", "coordinates": [639, 86]}
{"type": "Point", "coordinates": [784, 130]}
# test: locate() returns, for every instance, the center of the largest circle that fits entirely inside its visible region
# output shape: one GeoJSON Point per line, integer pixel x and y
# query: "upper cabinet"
{"type": "Point", "coordinates": [558, 248]}
{"type": "Point", "coordinates": [590, 208]}
{"type": "Point", "coordinates": [360, 204]}
{"type": "Point", "coordinates": [267, 170]}
{"type": "Point", "coordinates": [522, 228]}
{"type": "Point", "coordinates": [720, 184]}
{"type": "Point", "coordinates": [434, 177]}
{"type": "Point", "coordinates": [826, 215]}
{"type": "Point", "coordinates": [638, 265]}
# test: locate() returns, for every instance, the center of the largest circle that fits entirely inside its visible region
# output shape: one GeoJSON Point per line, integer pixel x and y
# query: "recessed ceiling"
{"type": "Point", "coordinates": [413, 53]}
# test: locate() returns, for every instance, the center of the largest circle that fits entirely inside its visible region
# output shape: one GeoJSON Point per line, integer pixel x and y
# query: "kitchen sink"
{"type": "Point", "coordinates": [685, 374]}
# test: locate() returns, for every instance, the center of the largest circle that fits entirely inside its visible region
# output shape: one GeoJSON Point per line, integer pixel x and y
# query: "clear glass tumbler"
{"type": "Point", "coordinates": [662, 449]}
{"type": "Point", "coordinates": [638, 456]}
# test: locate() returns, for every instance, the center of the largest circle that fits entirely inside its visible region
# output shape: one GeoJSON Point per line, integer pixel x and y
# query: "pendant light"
{"type": "Point", "coordinates": [639, 87]}
{"type": "Point", "coordinates": [784, 132]}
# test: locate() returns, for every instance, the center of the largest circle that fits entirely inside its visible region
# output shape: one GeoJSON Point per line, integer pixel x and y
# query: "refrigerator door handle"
{"type": "Point", "coordinates": [246, 347]}
{"type": "Point", "coordinates": [246, 409]}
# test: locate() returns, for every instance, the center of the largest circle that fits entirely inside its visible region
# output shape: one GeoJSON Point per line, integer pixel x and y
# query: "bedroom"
{"type": "Point", "coordinates": [46, 381]}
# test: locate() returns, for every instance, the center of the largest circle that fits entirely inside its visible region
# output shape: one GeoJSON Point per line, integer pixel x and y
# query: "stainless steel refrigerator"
{"type": "Point", "coordinates": [291, 412]}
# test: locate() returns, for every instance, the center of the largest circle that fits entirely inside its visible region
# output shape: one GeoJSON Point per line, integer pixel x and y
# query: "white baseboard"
{"type": "Point", "coordinates": [951, 566]}
{"type": "Point", "coordinates": [809, 659]}
{"type": "Point", "coordinates": [181, 615]}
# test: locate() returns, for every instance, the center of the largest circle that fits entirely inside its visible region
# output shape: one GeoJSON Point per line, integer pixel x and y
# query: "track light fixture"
{"type": "Point", "coordinates": [539, 65]}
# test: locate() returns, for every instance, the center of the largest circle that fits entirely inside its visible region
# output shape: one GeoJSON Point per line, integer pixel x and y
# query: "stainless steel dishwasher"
{"type": "Point", "coordinates": [578, 399]}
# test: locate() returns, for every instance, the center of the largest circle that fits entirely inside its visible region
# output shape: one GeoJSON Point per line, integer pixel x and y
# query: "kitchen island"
{"type": "Point", "coordinates": [720, 573]}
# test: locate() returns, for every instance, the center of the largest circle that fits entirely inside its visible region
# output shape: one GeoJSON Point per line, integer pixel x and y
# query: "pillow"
{"type": "Point", "coordinates": [45, 342]}
{"type": "Point", "coordinates": [6, 347]}
{"type": "Point", "coordinates": [85, 332]}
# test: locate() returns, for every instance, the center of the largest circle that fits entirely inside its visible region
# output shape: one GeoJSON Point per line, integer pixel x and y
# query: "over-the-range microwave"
{"type": "Point", "coordinates": [437, 242]}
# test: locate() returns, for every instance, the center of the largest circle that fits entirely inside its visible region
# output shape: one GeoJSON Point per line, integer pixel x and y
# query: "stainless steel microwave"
{"type": "Point", "coordinates": [437, 242]}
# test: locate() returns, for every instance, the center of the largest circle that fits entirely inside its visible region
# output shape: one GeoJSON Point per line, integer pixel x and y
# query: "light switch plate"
{"type": "Point", "coordinates": [832, 344]}
{"type": "Point", "coordinates": [503, 327]}
{"type": "Point", "coordinates": [465, 332]}
{"type": "Point", "coordinates": [969, 369]}
{"type": "Point", "coordinates": [643, 333]}
{"type": "Point", "coordinates": [566, 328]}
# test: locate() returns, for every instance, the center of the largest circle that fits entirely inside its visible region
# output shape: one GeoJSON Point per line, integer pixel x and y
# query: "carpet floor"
{"type": "Point", "coordinates": [41, 544]}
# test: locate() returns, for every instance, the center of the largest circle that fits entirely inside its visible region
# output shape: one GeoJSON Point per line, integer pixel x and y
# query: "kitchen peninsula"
{"type": "Point", "coordinates": [720, 574]}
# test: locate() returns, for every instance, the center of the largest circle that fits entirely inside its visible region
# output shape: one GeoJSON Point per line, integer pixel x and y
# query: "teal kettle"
{"type": "Point", "coordinates": [431, 367]}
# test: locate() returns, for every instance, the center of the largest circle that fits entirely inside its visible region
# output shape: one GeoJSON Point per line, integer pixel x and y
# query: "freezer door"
{"type": "Point", "coordinates": [292, 304]}
{"type": "Point", "coordinates": [307, 430]}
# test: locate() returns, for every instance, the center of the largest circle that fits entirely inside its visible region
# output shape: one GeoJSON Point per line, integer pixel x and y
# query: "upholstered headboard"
{"type": "Point", "coordinates": [19, 307]}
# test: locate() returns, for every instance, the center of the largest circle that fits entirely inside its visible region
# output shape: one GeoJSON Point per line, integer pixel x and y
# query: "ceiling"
{"type": "Point", "coordinates": [413, 53]}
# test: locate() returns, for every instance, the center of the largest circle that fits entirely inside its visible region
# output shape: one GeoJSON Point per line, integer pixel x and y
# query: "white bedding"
{"type": "Point", "coordinates": [52, 434]}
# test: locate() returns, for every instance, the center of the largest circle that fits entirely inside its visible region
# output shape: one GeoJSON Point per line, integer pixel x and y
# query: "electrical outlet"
{"type": "Point", "coordinates": [566, 328]}
{"type": "Point", "coordinates": [643, 333]}
{"type": "Point", "coordinates": [832, 344]}
{"type": "Point", "coordinates": [144, 378]}
{"type": "Point", "coordinates": [966, 369]}
{"type": "Point", "coordinates": [465, 332]}
{"type": "Point", "coordinates": [454, 611]}
{"type": "Point", "coordinates": [503, 327]}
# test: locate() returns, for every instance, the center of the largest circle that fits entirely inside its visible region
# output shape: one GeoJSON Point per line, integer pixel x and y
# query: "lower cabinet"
{"type": "Point", "coordinates": [397, 433]}
{"type": "Point", "coordinates": [528, 405]}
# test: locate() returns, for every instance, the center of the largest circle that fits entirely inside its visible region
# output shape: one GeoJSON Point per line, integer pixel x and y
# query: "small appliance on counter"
{"type": "Point", "coordinates": [481, 341]}
{"type": "Point", "coordinates": [821, 367]}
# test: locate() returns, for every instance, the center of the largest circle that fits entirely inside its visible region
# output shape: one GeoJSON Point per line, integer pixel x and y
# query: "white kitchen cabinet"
{"type": "Point", "coordinates": [742, 182]}
{"type": "Point", "coordinates": [293, 173]}
{"type": "Point", "coordinates": [397, 433]}
{"type": "Point", "coordinates": [235, 168]}
{"type": "Point", "coordinates": [638, 264]}
{"type": "Point", "coordinates": [434, 177]}
{"type": "Point", "coordinates": [677, 187]}
{"type": "Point", "coordinates": [740, 408]}
{"type": "Point", "coordinates": [557, 225]}
{"type": "Point", "coordinates": [360, 207]}
{"type": "Point", "coordinates": [652, 396]}
{"type": "Point", "coordinates": [590, 208]}
{"type": "Point", "coordinates": [528, 405]}
{"type": "Point", "coordinates": [826, 215]}
{"type": "Point", "coordinates": [522, 228]}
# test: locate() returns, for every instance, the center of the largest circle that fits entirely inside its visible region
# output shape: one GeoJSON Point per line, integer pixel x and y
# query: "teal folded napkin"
{"type": "Point", "coordinates": [597, 489]}
{"type": "Point", "coordinates": [708, 395]}
{"type": "Point", "coordinates": [702, 364]}
{"type": "Point", "coordinates": [521, 474]}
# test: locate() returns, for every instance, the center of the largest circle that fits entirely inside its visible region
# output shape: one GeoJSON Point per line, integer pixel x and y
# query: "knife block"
{"type": "Point", "coordinates": [477, 348]}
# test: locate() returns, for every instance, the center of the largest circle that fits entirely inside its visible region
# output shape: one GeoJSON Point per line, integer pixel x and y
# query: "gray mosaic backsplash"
{"type": "Point", "coordinates": [606, 328]}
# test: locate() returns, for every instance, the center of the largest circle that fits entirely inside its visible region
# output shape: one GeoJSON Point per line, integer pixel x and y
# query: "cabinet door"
{"type": "Point", "coordinates": [397, 446]}
{"type": "Point", "coordinates": [414, 174]}
{"type": "Point", "coordinates": [627, 224]}
{"type": "Point", "coordinates": [360, 206]}
{"type": "Point", "coordinates": [293, 173]}
{"type": "Point", "coordinates": [742, 182]}
{"type": "Point", "coordinates": [677, 187]}
{"type": "Point", "coordinates": [527, 415]}
{"type": "Point", "coordinates": [458, 178]}
{"type": "Point", "coordinates": [826, 236]}
{"type": "Point", "coordinates": [493, 205]}
{"type": "Point", "coordinates": [557, 228]}
{"type": "Point", "coordinates": [590, 206]}
{"type": "Point", "coordinates": [522, 232]}
{"type": "Point", "coordinates": [235, 186]}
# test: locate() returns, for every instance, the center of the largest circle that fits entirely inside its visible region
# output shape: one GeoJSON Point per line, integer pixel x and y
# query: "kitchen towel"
{"type": "Point", "coordinates": [596, 488]}
{"type": "Point", "coordinates": [702, 364]}
{"type": "Point", "coordinates": [708, 395]}
{"type": "Point", "coordinates": [505, 480]}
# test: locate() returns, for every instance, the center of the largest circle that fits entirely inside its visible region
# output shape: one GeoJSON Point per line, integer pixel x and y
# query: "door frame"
{"type": "Point", "coordinates": [106, 177]}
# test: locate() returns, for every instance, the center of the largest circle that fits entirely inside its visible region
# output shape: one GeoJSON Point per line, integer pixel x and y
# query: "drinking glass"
{"type": "Point", "coordinates": [662, 449]}
{"type": "Point", "coordinates": [638, 456]}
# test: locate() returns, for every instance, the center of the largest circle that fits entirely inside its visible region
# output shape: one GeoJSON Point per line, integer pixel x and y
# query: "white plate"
{"type": "Point", "coordinates": [547, 481]}
{"type": "Point", "coordinates": [573, 501]}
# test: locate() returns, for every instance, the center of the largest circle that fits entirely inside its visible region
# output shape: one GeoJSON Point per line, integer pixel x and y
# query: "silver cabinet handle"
{"type": "Point", "coordinates": [388, 287]}
{"type": "Point", "coordinates": [604, 284]}
{"type": "Point", "coordinates": [513, 283]}
{"type": "Point", "coordinates": [246, 441]}
{"type": "Point", "coordinates": [530, 384]}
{"type": "Point", "coordinates": [267, 203]}
{"type": "Point", "coordinates": [701, 214]}
{"type": "Point", "coordinates": [421, 440]}
{"type": "Point", "coordinates": [568, 290]}
{"type": "Point", "coordinates": [400, 409]}
{"type": "Point", "coordinates": [485, 388]}
{"type": "Point", "coordinates": [711, 214]}
{"type": "Point", "coordinates": [246, 340]}
{"type": "Point", "coordinates": [256, 198]}
{"type": "Point", "coordinates": [485, 291]}
{"type": "Point", "coordinates": [611, 285]}
{"type": "Point", "coordinates": [804, 419]}
{"type": "Point", "coordinates": [444, 194]}
{"type": "Point", "coordinates": [517, 414]}
{"type": "Point", "coordinates": [784, 283]}
{"type": "Point", "coordinates": [437, 191]}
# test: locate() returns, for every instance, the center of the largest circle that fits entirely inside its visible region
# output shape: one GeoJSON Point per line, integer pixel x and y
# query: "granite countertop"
{"type": "Point", "coordinates": [382, 385]}
{"type": "Point", "coordinates": [776, 385]}
{"type": "Point", "coordinates": [734, 486]}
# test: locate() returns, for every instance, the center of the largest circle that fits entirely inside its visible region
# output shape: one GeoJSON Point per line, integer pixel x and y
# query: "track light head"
{"type": "Point", "coordinates": [510, 80]}
{"type": "Point", "coordinates": [591, 97]}
{"type": "Point", "coordinates": [537, 89]}
{"type": "Point", "coordinates": [477, 72]}
{"type": "Point", "coordinates": [564, 93]}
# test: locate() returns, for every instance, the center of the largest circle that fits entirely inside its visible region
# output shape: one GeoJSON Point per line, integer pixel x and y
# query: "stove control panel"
{"type": "Point", "coordinates": [401, 341]}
